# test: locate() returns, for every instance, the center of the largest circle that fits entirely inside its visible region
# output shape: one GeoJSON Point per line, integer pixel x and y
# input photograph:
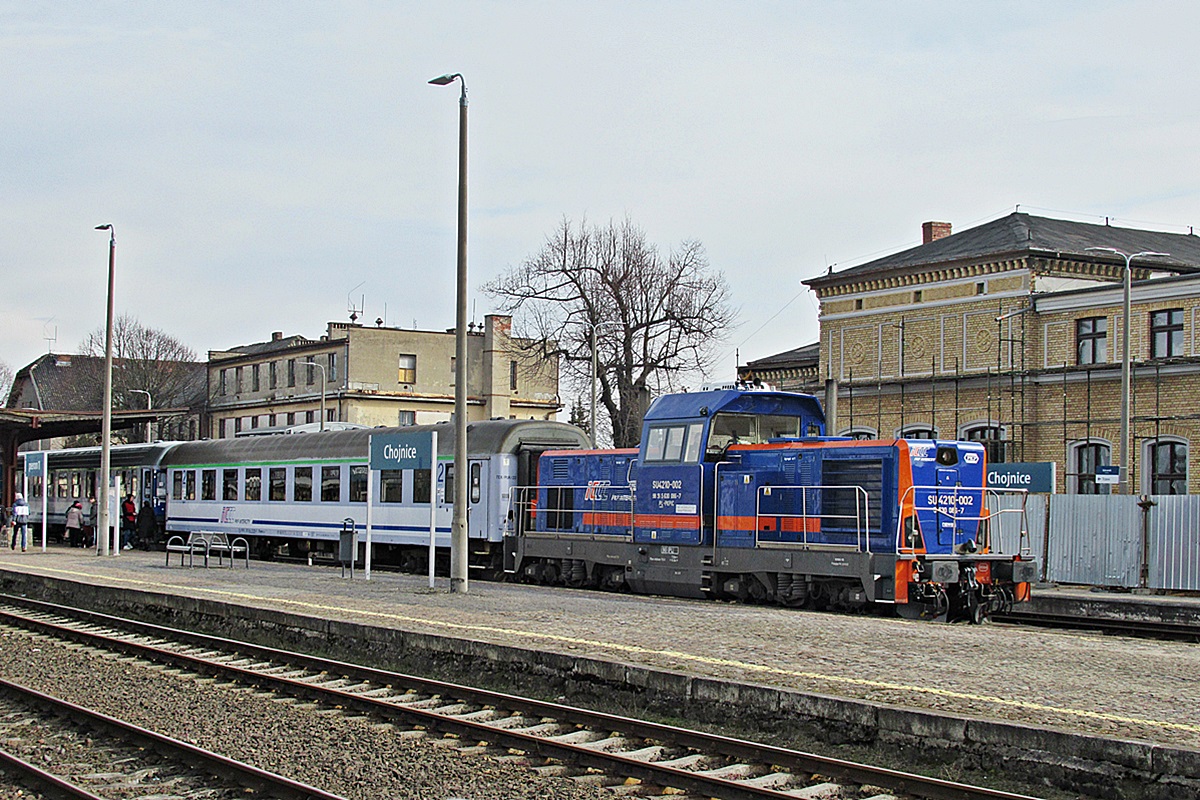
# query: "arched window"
{"type": "Point", "coordinates": [1085, 457]}
{"type": "Point", "coordinates": [1166, 461]}
{"type": "Point", "coordinates": [917, 432]}
{"type": "Point", "coordinates": [992, 438]}
{"type": "Point", "coordinates": [860, 433]}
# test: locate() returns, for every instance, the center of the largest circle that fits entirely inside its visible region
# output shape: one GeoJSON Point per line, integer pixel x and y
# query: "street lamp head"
{"type": "Point", "coordinates": [444, 80]}
{"type": "Point", "coordinates": [104, 227]}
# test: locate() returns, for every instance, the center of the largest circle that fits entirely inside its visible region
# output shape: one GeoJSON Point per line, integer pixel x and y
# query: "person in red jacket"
{"type": "Point", "coordinates": [128, 522]}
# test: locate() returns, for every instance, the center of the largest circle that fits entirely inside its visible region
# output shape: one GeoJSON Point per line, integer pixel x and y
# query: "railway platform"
{"type": "Point", "coordinates": [1115, 699]}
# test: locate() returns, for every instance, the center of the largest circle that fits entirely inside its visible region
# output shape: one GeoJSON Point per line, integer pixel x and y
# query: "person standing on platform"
{"type": "Point", "coordinates": [75, 524]}
{"type": "Point", "coordinates": [20, 513]}
{"type": "Point", "coordinates": [147, 526]}
{"type": "Point", "coordinates": [128, 522]}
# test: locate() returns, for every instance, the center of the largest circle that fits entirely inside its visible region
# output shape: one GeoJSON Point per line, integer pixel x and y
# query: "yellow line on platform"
{"type": "Point", "coordinates": [689, 657]}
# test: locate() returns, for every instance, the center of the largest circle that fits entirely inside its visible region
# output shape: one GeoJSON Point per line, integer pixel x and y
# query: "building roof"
{"type": "Point", "coordinates": [71, 382]}
{"type": "Point", "coordinates": [1020, 233]}
{"type": "Point", "coordinates": [800, 357]}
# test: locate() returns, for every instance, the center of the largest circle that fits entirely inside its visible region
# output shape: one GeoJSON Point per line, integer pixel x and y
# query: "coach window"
{"type": "Point", "coordinates": [229, 487]}
{"type": "Point", "coordinates": [476, 481]}
{"type": "Point", "coordinates": [391, 486]}
{"type": "Point", "coordinates": [302, 485]}
{"type": "Point", "coordinates": [75, 485]}
{"type": "Point", "coordinates": [448, 485]}
{"type": "Point", "coordinates": [208, 484]}
{"type": "Point", "coordinates": [253, 488]}
{"type": "Point", "coordinates": [358, 483]}
{"type": "Point", "coordinates": [331, 484]}
{"type": "Point", "coordinates": [422, 480]}
{"type": "Point", "coordinates": [278, 488]}
{"type": "Point", "coordinates": [189, 492]}
{"type": "Point", "coordinates": [61, 480]}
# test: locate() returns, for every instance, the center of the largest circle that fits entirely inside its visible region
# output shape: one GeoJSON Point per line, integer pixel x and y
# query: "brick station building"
{"type": "Point", "coordinates": [1010, 333]}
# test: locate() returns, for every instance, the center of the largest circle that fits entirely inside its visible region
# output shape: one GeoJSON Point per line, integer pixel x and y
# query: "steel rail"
{"type": "Point", "coordinates": [217, 764]}
{"type": "Point", "coordinates": [796, 761]}
{"type": "Point", "coordinates": [1138, 629]}
{"type": "Point", "coordinates": [48, 782]}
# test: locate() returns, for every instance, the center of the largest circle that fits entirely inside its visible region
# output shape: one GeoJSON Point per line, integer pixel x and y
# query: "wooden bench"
{"type": "Point", "coordinates": [208, 543]}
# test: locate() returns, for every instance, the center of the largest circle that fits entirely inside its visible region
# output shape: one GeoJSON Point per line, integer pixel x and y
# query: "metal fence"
{"type": "Point", "coordinates": [1120, 541]}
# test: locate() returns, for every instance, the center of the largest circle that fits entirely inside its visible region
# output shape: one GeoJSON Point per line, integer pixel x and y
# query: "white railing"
{"type": "Point", "coordinates": [524, 507]}
{"type": "Point", "coordinates": [860, 517]}
{"type": "Point", "coordinates": [947, 506]}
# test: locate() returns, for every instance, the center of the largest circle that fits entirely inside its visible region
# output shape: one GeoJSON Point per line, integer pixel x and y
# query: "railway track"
{"type": "Point", "coordinates": [634, 756]}
{"type": "Point", "coordinates": [66, 750]}
{"type": "Point", "coordinates": [1135, 628]}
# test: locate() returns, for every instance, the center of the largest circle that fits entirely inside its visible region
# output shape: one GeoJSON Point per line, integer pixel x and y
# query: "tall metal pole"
{"type": "Point", "coordinates": [1123, 486]}
{"type": "Point", "coordinates": [102, 521]}
{"type": "Point", "coordinates": [458, 525]}
{"type": "Point", "coordinates": [592, 420]}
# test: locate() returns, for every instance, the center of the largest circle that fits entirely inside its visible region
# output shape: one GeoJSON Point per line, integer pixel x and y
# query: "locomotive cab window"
{"type": "Point", "coordinates": [675, 443]}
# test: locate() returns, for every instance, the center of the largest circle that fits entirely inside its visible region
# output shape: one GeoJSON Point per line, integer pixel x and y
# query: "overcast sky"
{"type": "Point", "coordinates": [265, 163]}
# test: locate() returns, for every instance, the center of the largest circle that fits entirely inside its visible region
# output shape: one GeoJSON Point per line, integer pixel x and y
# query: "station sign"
{"type": "Point", "coordinates": [402, 451]}
{"type": "Point", "coordinates": [1108, 473]}
{"type": "Point", "coordinates": [1036, 477]}
{"type": "Point", "coordinates": [35, 465]}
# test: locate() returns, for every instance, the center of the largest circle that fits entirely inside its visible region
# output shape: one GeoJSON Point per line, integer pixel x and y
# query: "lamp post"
{"type": "Point", "coordinates": [595, 327]}
{"type": "Point", "coordinates": [102, 521]}
{"type": "Point", "coordinates": [458, 525]}
{"type": "Point", "coordinates": [323, 384]}
{"type": "Point", "coordinates": [1123, 486]}
{"type": "Point", "coordinates": [149, 407]}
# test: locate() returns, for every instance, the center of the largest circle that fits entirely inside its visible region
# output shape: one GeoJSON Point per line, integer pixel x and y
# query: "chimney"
{"type": "Point", "coordinates": [276, 336]}
{"type": "Point", "coordinates": [932, 231]}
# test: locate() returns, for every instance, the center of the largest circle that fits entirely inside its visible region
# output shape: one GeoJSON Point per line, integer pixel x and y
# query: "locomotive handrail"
{"type": "Point", "coordinates": [524, 507]}
{"type": "Point", "coordinates": [942, 510]}
{"type": "Point", "coordinates": [861, 516]}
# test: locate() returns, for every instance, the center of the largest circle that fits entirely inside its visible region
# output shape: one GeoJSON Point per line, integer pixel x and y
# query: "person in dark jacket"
{"type": "Point", "coordinates": [147, 526]}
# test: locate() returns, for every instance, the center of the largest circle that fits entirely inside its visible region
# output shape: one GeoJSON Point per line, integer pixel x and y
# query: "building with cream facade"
{"type": "Point", "coordinates": [378, 376]}
{"type": "Point", "coordinates": [1010, 333]}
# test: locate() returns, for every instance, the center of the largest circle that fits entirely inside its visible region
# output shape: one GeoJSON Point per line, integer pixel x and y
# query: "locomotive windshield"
{"type": "Point", "coordinates": [730, 429]}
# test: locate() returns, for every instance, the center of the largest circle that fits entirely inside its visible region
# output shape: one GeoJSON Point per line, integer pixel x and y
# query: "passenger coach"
{"type": "Point", "coordinates": [291, 494]}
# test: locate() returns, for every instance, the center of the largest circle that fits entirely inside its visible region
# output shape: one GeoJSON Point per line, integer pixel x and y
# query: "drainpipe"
{"type": "Point", "coordinates": [1145, 504]}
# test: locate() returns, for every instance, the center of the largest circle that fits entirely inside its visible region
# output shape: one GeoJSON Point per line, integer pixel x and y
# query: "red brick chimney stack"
{"type": "Point", "coordinates": [932, 231]}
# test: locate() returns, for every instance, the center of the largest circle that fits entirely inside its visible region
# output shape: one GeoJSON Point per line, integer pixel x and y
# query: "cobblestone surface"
{"type": "Point", "coordinates": [1072, 681]}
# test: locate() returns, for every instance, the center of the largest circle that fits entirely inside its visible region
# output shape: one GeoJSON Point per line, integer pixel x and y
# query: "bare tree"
{"type": "Point", "coordinates": [658, 319]}
{"type": "Point", "coordinates": [6, 380]}
{"type": "Point", "coordinates": [147, 360]}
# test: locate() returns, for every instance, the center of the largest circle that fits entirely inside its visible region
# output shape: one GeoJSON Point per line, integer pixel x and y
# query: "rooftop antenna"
{"type": "Point", "coordinates": [51, 339]}
{"type": "Point", "coordinates": [354, 312]}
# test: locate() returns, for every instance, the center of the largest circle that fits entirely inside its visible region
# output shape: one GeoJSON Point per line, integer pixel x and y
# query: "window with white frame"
{"type": "Point", "coordinates": [1166, 461]}
{"type": "Point", "coordinates": [859, 433]}
{"type": "Point", "coordinates": [1085, 457]}
{"type": "Point", "coordinates": [919, 431]}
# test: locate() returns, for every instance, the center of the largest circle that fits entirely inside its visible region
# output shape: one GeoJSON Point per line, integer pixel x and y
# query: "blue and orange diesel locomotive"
{"type": "Point", "coordinates": [737, 494]}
